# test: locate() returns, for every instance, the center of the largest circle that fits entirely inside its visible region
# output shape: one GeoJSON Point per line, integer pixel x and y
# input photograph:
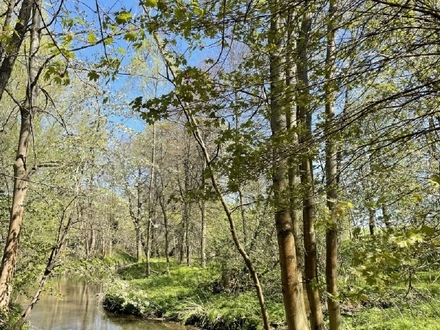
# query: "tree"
{"type": "Point", "coordinates": [22, 169]}
{"type": "Point", "coordinates": [331, 174]}
{"type": "Point", "coordinates": [290, 279]}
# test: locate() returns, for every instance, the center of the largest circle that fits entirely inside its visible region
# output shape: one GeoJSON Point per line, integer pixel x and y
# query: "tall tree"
{"type": "Point", "coordinates": [306, 168]}
{"type": "Point", "coordinates": [22, 169]}
{"type": "Point", "coordinates": [292, 287]}
{"type": "Point", "coordinates": [331, 174]}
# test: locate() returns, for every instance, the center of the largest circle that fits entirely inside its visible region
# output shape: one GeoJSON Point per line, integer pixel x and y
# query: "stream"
{"type": "Point", "coordinates": [73, 304]}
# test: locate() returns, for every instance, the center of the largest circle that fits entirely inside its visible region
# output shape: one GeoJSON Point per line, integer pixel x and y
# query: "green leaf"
{"type": "Point", "coordinates": [91, 38]}
{"type": "Point", "coordinates": [150, 3]}
{"type": "Point", "coordinates": [123, 17]}
{"type": "Point", "coordinates": [130, 36]}
{"type": "Point", "coordinates": [93, 75]}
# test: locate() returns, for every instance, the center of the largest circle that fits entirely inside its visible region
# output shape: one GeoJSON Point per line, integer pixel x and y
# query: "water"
{"type": "Point", "coordinates": [76, 305]}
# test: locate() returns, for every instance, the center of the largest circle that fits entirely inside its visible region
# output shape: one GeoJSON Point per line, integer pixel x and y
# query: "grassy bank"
{"type": "Point", "coordinates": [189, 295]}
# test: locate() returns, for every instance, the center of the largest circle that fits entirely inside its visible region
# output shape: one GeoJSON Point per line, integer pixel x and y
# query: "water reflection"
{"type": "Point", "coordinates": [75, 305]}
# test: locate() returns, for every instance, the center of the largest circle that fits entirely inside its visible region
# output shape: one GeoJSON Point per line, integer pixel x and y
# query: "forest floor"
{"type": "Point", "coordinates": [192, 296]}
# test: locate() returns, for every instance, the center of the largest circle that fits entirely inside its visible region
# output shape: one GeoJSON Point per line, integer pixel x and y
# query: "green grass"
{"type": "Point", "coordinates": [406, 316]}
{"type": "Point", "coordinates": [418, 308]}
{"type": "Point", "coordinates": [186, 294]}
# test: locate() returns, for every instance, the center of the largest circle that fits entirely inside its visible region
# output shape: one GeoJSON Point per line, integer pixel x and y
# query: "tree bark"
{"type": "Point", "coordinates": [292, 126]}
{"type": "Point", "coordinates": [309, 212]}
{"type": "Point", "coordinates": [331, 160]}
{"type": "Point", "coordinates": [151, 206]}
{"type": "Point", "coordinates": [136, 215]}
{"type": "Point", "coordinates": [21, 172]}
{"type": "Point", "coordinates": [371, 215]}
{"type": "Point", "coordinates": [290, 275]}
{"type": "Point", "coordinates": [17, 36]}
{"type": "Point", "coordinates": [386, 216]}
{"type": "Point", "coordinates": [165, 220]}
{"type": "Point", "coordinates": [202, 205]}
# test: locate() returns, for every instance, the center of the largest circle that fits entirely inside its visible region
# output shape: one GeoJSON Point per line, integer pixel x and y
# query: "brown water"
{"type": "Point", "coordinates": [76, 305]}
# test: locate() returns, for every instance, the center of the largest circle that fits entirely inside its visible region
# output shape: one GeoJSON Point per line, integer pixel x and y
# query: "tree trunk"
{"type": "Point", "coordinates": [292, 126]}
{"type": "Point", "coordinates": [371, 218]}
{"type": "Point", "coordinates": [202, 204]}
{"type": "Point", "coordinates": [166, 234]}
{"type": "Point", "coordinates": [181, 241]}
{"type": "Point", "coordinates": [243, 215]}
{"type": "Point", "coordinates": [151, 206]}
{"type": "Point", "coordinates": [148, 248]}
{"type": "Point", "coordinates": [92, 241]}
{"type": "Point", "coordinates": [386, 216]}
{"type": "Point", "coordinates": [331, 159]}
{"type": "Point", "coordinates": [187, 202]}
{"type": "Point", "coordinates": [21, 172]}
{"type": "Point", "coordinates": [279, 107]}
{"type": "Point", "coordinates": [138, 234]}
{"type": "Point", "coordinates": [9, 52]}
{"type": "Point", "coordinates": [309, 213]}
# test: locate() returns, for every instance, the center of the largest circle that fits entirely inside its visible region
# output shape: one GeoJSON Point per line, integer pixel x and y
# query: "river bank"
{"type": "Point", "coordinates": [188, 295]}
{"type": "Point", "coordinates": [193, 296]}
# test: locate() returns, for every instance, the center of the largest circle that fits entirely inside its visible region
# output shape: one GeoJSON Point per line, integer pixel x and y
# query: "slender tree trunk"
{"type": "Point", "coordinates": [92, 241]}
{"type": "Point", "coordinates": [21, 171]}
{"type": "Point", "coordinates": [202, 204]}
{"type": "Point", "coordinates": [371, 215]}
{"type": "Point", "coordinates": [292, 126]}
{"type": "Point", "coordinates": [309, 212]}
{"type": "Point", "coordinates": [187, 240]}
{"type": "Point", "coordinates": [280, 106]}
{"type": "Point", "coordinates": [181, 241]}
{"type": "Point", "coordinates": [166, 234]}
{"type": "Point", "coordinates": [148, 248]}
{"type": "Point", "coordinates": [331, 265]}
{"type": "Point", "coordinates": [151, 206]}
{"type": "Point", "coordinates": [371, 220]}
{"type": "Point", "coordinates": [386, 216]}
{"type": "Point", "coordinates": [138, 234]}
{"type": "Point", "coordinates": [135, 210]}
{"type": "Point", "coordinates": [187, 203]}
{"type": "Point", "coordinates": [243, 215]}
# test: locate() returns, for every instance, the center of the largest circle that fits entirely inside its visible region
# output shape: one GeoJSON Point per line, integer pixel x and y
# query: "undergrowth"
{"type": "Point", "coordinates": [184, 294]}
{"type": "Point", "coordinates": [188, 295]}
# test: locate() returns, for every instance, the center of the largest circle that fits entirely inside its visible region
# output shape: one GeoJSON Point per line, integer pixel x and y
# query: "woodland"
{"type": "Point", "coordinates": [280, 154]}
